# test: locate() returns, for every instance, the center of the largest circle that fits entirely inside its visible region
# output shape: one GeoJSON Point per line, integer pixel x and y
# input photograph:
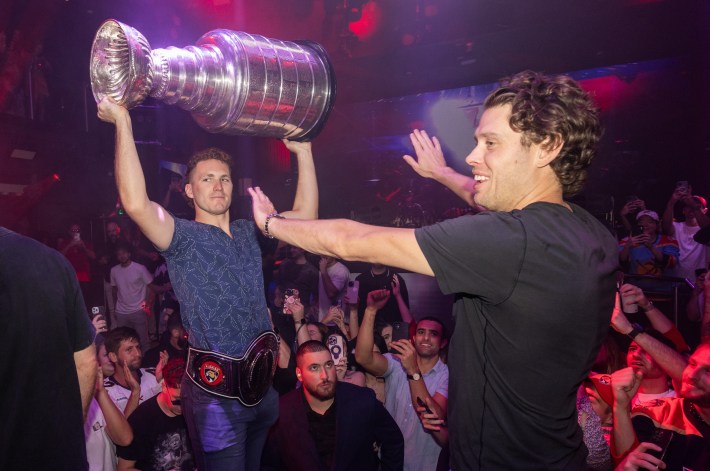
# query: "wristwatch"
{"type": "Point", "coordinates": [414, 377]}
{"type": "Point", "coordinates": [635, 330]}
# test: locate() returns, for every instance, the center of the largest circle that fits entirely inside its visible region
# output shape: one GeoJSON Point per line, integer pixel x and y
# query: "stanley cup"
{"type": "Point", "coordinates": [232, 82]}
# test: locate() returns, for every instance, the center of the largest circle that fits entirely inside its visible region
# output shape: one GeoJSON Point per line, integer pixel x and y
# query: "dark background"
{"type": "Point", "coordinates": [646, 61]}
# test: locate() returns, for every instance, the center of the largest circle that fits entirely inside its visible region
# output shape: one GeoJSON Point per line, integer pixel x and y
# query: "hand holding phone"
{"type": "Point", "coordinates": [423, 404]}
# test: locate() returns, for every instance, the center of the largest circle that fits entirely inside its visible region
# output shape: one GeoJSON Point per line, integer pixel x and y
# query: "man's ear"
{"type": "Point", "coordinates": [444, 343]}
{"type": "Point", "coordinates": [298, 373]}
{"type": "Point", "coordinates": [188, 190]}
{"type": "Point", "coordinates": [549, 149]}
{"type": "Point", "coordinates": [113, 357]}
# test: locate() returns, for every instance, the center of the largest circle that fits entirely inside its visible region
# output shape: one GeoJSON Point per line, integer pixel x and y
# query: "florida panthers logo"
{"type": "Point", "coordinates": [211, 373]}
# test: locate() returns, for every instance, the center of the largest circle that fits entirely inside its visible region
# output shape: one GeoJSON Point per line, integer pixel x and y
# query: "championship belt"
{"type": "Point", "coordinates": [246, 379]}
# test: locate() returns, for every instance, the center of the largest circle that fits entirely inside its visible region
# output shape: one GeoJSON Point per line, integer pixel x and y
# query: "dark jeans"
{"type": "Point", "coordinates": [226, 435]}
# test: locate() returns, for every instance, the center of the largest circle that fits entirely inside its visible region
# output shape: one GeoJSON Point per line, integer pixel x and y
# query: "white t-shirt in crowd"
{"type": "Point", "coordinates": [339, 275]}
{"type": "Point", "coordinates": [131, 282]}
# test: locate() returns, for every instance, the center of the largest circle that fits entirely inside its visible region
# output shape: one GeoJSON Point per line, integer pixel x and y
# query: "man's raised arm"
{"type": "Point", "coordinates": [430, 163]}
{"type": "Point", "coordinates": [152, 219]}
{"type": "Point", "coordinates": [305, 203]}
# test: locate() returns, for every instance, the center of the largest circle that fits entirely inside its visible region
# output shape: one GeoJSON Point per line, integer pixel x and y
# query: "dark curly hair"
{"type": "Point", "coordinates": [211, 153]}
{"type": "Point", "coordinates": [553, 110]}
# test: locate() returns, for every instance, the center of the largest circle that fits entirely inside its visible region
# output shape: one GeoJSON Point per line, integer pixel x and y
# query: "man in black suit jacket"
{"type": "Point", "coordinates": [316, 431]}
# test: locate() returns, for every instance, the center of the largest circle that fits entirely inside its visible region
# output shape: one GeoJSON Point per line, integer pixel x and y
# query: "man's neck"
{"type": "Point", "coordinates": [691, 222]}
{"type": "Point", "coordinates": [318, 406]}
{"type": "Point", "coordinates": [653, 385]}
{"type": "Point", "coordinates": [164, 404]}
{"type": "Point", "coordinates": [426, 364]}
{"type": "Point", "coordinates": [378, 271]}
{"type": "Point", "coordinates": [217, 220]}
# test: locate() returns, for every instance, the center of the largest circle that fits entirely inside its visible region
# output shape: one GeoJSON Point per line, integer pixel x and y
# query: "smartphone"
{"type": "Point", "coordinates": [353, 290]}
{"type": "Point", "coordinates": [636, 230]}
{"type": "Point", "coordinates": [661, 437]}
{"type": "Point", "coordinates": [336, 347]}
{"type": "Point", "coordinates": [682, 186]}
{"type": "Point", "coordinates": [290, 296]}
{"type": "Point", "coordinates": [97, 311]}
{"type": "Point", "coordinates": [423, 404]}
{"type": "Point", "coordinates": [76, 236]}
{"type": "Point", "coordinates": [631, 198]}
{"type": "Point", "coordinates": [400, 330]}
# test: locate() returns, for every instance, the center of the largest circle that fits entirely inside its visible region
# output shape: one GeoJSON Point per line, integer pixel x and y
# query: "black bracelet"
{"type": "Point", "coordinates": [266, 223]}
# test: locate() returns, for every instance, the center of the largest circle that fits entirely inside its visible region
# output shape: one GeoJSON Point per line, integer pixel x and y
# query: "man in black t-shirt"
{"type": "Point", "coordinates": [160, 440]}
{"type": "Point", "coordinates": [533, 276]}
{"type": "Point", "coordinates": [48, 360]}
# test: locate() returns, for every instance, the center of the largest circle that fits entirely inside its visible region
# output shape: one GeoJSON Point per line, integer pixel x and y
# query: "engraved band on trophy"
{"type": "Point", "coordinates": [232, 82]}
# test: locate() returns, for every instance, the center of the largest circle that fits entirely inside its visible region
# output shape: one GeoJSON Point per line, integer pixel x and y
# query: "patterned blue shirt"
{"type": "Point", "coordinates": [219, 283]}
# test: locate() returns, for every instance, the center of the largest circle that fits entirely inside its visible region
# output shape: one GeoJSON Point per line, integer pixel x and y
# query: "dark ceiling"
{"type": "Point", "coordinates": [380, 49]}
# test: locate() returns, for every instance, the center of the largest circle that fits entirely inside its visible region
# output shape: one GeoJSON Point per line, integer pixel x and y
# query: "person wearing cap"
{"type": "Point", "coordinates": [648, 252]}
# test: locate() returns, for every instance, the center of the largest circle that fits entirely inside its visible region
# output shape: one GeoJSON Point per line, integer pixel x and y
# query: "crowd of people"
{"type": "Point", "coordinates": [216, 349]}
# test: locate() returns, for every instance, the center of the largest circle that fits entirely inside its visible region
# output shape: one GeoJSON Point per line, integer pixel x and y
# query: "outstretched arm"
{"type": "Point", "coordinates": [430, 163]}
{"type": "Point", "coordinates": [154, 221]}
{"type": "Point", "coordinates": [344, 239]}
{"type": "Point", "coordinates": [305, 204]}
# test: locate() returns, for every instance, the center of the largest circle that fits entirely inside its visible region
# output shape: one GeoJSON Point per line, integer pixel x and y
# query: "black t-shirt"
{"type": "Point", "coordinates": [43, 322]}
{"type": "Point", "coordinates": [534, 294]}
{"type": "Point", "coordinates": [371, 282]}
{"type": "Point", "coordinates": [159, 442]}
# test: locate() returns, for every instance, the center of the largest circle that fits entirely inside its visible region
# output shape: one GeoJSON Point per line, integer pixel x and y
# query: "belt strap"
{"type": "Point", "coordinates": [246, 379]}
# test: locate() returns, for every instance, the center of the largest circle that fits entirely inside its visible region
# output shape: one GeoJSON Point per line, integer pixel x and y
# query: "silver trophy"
{"type": "Point", "coordinates": [232, 82]}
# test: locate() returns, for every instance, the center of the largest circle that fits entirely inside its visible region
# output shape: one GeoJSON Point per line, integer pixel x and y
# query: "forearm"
{"type": "Point", "coordinates": [305, 203]}
{"type": "Point", "coordinates": [330, 289]}
{"type": "Point", "coordinates": [132, 403]}
{"type": "Point", "coordinates": [129, 173]}
{"type": "Point", "coordinates": [623, 435]}
{"type": "Point", "coordinates": [625, 222]}
{"type": "Point", "coordinates": [658, 320]}
{"type": "Point", "coordinates": [86, 370]}
{"type": "Point", "coordinates": [117, 427]}
{"type": "Point", "coordinates": [667, 221]}
{"type": "Point", "coordinates": [350, 240]}
{"type": "Point", "coordinates": [404, 309]}
{"type": "Point", "coordinates": [354, 322]}
{"type": "Point", "coordinates": [672, 362]}
{"type": "Point", "coordinates": [366, 341]}
{"type": "Point", "coordinates": [461, 185]}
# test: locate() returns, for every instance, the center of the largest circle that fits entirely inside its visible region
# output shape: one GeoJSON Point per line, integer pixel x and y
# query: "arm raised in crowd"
{"type": "Point", "coordinates": [672, 362]}
{"type": "Point", "coordinates": [373, 362]}
{"type": "Point", "coordinates": [117, 426]}
{"type": "Point", "coordinates": [624, 384]}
